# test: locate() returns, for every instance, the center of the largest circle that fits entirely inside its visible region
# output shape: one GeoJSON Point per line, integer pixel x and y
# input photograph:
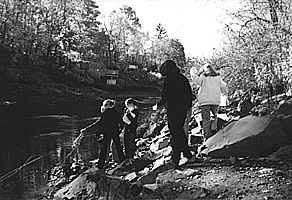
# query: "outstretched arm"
{"type": "Point", "coordinates": [195, 76]}
{"type": "Point", "coordinates": [92, 127]}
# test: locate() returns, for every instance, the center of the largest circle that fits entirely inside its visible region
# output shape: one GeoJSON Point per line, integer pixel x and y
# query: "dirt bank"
{"type": "Point", "coordinates": [26, 93]}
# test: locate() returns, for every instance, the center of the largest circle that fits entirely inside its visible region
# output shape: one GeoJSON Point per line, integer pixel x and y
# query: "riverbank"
{"type": "Point", "coordinates": [45, 129]}
{"type": "Point", "coordinates": [151, 176]}
{"type": "Point", "coordinates": [21, 93]}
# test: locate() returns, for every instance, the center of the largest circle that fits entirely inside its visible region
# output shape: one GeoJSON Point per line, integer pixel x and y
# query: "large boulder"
{"type": "Point", "coordinates": [286, 122]}
{"type": "Point", "coordinates": [249, 136]}
{"type": "Point", "coordinates": [284, 106]}
{"type": "Point", "coordinates": [284, 153]}
{"type": "Point", "coordinates": [95, 184]}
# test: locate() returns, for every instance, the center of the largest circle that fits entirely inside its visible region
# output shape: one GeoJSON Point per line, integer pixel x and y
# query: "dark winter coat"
{"type": "Point", "coordinates": [110, 122]}
{"type": "Point", "coordinates": [134, 120]}
{"type": "Point", "coordinates": [176, 92]}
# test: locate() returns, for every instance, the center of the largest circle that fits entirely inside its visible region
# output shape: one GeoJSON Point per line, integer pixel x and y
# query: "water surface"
{"type": "Point", "coordinates": [38, 137]}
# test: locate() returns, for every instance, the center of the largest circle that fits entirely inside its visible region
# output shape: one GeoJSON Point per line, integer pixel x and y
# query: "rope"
{"type": "Point", "coordinates": [69, 154]}
{"type": "Point", "coordinates": [74, 148]}
{"type": "Point", "coordinates": [15, 171]}
{"type": "Point", "coordinates": [28, 162]}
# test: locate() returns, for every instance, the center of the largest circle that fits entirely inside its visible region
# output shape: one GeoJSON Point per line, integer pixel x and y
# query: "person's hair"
{"type": "Point", "coordinates": [131, 101]}
{"type": "Point", "coordinates": [208, 70]}
{"type": "Point", "coordinates": [109, 103]}
{"type": "Point", "coordinates": [168, 67]}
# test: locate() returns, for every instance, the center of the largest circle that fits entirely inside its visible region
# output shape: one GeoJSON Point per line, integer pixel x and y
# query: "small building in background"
{"type": "Point", "coordinates": [112, 77]}
{"type": "Point", "coordinates": [133, 67]}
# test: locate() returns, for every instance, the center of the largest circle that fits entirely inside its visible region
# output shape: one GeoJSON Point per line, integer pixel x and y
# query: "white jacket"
{"type": "Point", "coordinates": [211, 88]}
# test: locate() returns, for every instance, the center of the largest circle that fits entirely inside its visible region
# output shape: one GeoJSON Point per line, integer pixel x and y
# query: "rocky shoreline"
{"type": "Point", "coordinates": [151, 176]}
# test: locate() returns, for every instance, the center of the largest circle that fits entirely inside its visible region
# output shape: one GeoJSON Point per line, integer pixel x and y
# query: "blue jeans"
{"type": "Point", "coordinates": [206, 119]}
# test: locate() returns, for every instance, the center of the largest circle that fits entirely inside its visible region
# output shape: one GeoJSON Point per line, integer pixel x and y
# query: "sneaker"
{"type": "Point", "coordinates": [183, 160]}
{"type": "Point", "coordinates": [200, 159]}
{"type": "Point", "coordinates": [173, 164]}
{"type": "Point", "coordinates": [191, 160]}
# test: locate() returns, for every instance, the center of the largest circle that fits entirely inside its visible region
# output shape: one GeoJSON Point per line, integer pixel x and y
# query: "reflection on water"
{"type": "Point", "coordinates": [42, 132]}
{"type": "Point", "coordinates": [38, 137]}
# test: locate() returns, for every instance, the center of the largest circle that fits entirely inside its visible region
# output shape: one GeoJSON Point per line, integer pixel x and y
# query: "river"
{"type": "Point", "coordinates": [35, 138]}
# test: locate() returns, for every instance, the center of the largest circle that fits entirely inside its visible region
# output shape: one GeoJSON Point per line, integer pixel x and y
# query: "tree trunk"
{"type": "Point", "coordinates": [273, 11]}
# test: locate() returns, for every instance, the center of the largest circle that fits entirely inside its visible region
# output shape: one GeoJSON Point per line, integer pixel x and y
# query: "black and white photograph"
{"type": "Point", "coordinates": [145, 99]}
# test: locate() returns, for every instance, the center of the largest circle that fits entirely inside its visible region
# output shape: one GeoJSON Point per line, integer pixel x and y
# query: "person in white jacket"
{"type": "Point", "coordinates": [211, 88]}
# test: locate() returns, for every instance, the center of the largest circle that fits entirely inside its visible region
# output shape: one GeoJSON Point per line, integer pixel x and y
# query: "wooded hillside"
{"type": "Point", "coordinates": [60, 44]}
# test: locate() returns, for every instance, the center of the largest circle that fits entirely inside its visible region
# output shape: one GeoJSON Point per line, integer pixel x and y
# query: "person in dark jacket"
{"type": "Point", "coordinates": [177, 95]}
{"type": "Point", "coordinates": [131, 122]}
{"type": "Point", "coordinates": [109, 125]}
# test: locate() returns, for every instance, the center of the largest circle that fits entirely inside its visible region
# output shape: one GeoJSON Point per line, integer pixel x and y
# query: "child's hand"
{"type": "Point", "coordinates": [100, 137]}
{"type": "Point", "coordinates": [193, 71]}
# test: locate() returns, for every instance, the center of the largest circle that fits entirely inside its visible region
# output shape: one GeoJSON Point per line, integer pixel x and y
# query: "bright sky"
{"type": "Point", "coordinates": [196, 23]}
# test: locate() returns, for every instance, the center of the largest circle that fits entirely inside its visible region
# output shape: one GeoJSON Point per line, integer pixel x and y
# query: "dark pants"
{"type": "Point", "coordinates": [208, 127]}
{"type": "Point", "coordinates": [179, 142]}
{"type": "Point", "coordinates": [105, 143]}
{"type": "Point", "coordinates": [129, 141]}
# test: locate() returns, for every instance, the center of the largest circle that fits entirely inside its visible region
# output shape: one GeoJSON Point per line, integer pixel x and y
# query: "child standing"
{"type": "Point", "coordinates": [109, 125]}
{"type": "Point", "coordinates": [131, 122]}
{"type": "Point", "coordinates": [211, 87]}
{"type": "Point", "coordinates": [177, 96]}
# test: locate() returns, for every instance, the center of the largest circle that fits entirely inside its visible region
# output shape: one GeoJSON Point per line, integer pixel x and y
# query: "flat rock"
{"type": "Point", "coordinates": [95, 184]}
